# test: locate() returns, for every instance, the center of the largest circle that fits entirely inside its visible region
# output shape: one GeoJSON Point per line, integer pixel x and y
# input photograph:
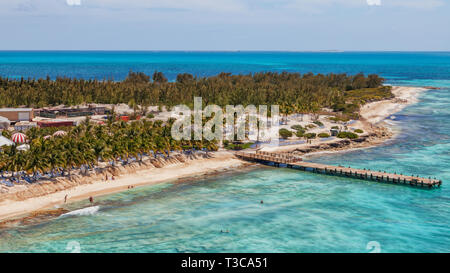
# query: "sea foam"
{"type": "Point", "coordinates": [82, 212]}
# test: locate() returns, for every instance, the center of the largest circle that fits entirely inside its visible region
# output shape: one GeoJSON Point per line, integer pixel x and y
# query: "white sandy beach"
{"type": "Point", "coordinates": [372, 121]}
{"type": "Point", "coordinates": [222, 161]}
{"type": "Point", "coordinates": [377, 111]}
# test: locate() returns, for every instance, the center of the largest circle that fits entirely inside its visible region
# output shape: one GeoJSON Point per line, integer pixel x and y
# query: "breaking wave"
{"type": "Point", "coordinates": [82, 212]}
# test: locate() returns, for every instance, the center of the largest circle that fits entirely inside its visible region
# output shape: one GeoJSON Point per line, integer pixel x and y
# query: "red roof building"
{"type": "Point", "coordinates": [49, 123]}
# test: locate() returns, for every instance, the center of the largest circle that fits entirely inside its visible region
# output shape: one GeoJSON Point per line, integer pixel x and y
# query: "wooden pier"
{"type": "Point", "coordinates": [292, 161]}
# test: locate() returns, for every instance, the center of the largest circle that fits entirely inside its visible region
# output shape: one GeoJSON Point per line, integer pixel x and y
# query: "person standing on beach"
{"type": "Point", "coordinates": [91, 199]}
{"type": "Point", "coordinates": [65, 199]}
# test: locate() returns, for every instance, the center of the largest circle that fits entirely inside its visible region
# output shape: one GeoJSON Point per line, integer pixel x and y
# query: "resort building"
{"type": "Point", "coordinates": [71, 112]}
{"type": "Point", "coordinates": [24, 125]}
{"type": "Point", "coordinates": [17, 114]}
{"type": "Point", "coordinates": [56, 123]}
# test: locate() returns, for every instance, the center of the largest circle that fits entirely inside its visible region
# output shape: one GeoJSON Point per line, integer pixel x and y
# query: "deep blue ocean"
{"type": "Point", "coordinates": [302, 212]}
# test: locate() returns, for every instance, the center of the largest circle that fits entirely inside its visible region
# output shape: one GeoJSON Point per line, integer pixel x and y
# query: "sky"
{"type": "Point", "coordinates": [291, 25]}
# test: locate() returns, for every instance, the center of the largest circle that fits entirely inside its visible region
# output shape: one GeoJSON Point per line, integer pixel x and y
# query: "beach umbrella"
{"type": "Point", "coordinates": [19, 138]}
{"type": "Point", "coordinates": [5, 142]}
{"type": "Point", "coordinates": [23, 147]}
{"type": "Point", "coordinates": [59, 133]}
{"type": "Point", "coordinates": [4, 123]}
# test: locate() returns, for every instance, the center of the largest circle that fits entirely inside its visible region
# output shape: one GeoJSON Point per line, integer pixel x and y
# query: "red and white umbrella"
{"type": "Point", "coordinates": [19, 138]}
{"type": "Point", "coordinates": [59, 133]}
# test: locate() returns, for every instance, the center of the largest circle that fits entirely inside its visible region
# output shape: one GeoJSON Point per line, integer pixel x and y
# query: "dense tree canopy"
{"type": "Point", "coordinates": [88, 144]}
{"type": "Point", "coordinates": [292, 91]}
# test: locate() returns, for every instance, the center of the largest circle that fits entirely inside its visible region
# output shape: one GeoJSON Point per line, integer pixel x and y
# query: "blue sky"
{"type": "Point", "coordinates": [225, 25]}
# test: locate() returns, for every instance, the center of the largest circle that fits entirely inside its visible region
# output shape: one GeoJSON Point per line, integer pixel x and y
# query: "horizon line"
{"type": "Point", "coordinates": [181, 50]}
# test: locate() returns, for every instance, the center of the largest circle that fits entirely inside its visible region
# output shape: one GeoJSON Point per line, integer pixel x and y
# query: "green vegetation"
{"type": "Point", "coordinates": [310, 135]}
{"type": "Point", "coordinates": [297, 127]}
{"type": "Point", "coordinates": [335, 127]}
{"type": "Point", "coordinates": [285, 133]}
{"type": "Point", "coordinates": [310, 126]}
{"type": "Point", "coordinates": [346, 108]}
{"type": "Point", "coordinates": [323, 135]}
{"type": "Point", "coordinates": [150, 116]}
{"type": "Point", "coordinates": [359, 131]}
{"type": "Point", "coordinates": [239, 146]}
{"type": "Point", "coordinates": [6, 133]}
{"type": "Point", "coordinates": [300, 133]}
{"type": "Point", "coordinates": [88, 144]}
{"type": "Point", "coordinates": [299, 130]}
{"type": "Point", "coordinates": [365, 95]}
{"type": "Point", "coordinates": [318, 123]}
{"type": "Point", "coordinates": [349, 135]}
{"type": "Point", "coordinates": [351, 101]}
{"type": "Point", "coordinates": [343, 118]}
{"type": "Point", "coordinates": [295, 93]}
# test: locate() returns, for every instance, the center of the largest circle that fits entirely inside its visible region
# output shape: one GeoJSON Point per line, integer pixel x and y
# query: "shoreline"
{"type": "Point", "coordinates": [372, 119]}
{"type": "Point", "coordinates": [130, 176]}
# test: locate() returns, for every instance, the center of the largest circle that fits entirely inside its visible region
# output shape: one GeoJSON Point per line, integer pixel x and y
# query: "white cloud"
{"type": "Point", "coordinates": [73, 2]}
{"type": "Point", "coordinates": [374, 2]}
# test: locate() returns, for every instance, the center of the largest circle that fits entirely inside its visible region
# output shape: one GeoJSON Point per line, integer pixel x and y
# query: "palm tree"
{"type": "Point", "coordinates": [55, 160]}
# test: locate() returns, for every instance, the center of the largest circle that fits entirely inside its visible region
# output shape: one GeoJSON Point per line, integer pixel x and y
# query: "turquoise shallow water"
{"type": "Point", "coordinates": [302, 212]}
{"type": "Point", "coordinates": [398, 67]}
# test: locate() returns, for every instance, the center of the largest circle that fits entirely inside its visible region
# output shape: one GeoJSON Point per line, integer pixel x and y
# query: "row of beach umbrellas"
{"type": "Point", "coordinates": [20, 138]}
